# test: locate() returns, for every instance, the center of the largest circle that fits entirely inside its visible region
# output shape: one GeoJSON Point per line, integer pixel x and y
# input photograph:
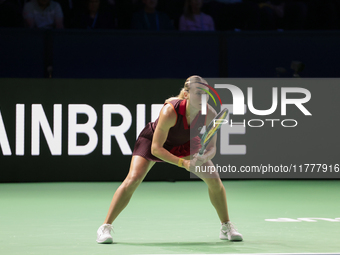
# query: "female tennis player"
{"type": "Point", "coordinates": [168, 140]}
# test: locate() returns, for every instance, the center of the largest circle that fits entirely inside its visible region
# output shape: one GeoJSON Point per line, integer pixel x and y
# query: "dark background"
{"type": "Point", "coordinates": [140, 54]}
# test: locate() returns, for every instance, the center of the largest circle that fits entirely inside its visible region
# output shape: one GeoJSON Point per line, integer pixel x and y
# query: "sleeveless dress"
{"type": "Point", "coordinates": [182, 140]}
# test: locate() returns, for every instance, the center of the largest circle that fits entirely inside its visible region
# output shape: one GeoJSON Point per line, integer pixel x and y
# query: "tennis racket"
{"type": "Point", "coordinates": [212, 129]}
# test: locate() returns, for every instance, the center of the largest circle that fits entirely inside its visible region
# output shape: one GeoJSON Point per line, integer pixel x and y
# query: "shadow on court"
{"type": "Point", "coordinates": [183, 247]}
{"type": "Point", "coordinates": [182, 244]}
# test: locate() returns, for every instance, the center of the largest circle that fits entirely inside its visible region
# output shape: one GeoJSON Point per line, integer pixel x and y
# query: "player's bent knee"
{"type": "Point", "coordinates": [132, 182]}
{"type": "Point", "coordinates": [215, 184]}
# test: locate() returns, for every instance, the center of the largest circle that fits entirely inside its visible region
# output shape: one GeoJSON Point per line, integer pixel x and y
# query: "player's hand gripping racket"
{"type": "Point", "coordinates": [212, 129]}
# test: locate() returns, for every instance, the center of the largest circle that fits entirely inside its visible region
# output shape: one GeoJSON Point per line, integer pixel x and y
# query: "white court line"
{"type": "Point", "coordinates": [249, 254]}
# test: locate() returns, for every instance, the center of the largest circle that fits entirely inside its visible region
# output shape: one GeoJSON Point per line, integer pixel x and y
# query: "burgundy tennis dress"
{"type": "Point", "coordinates": [182, 140]}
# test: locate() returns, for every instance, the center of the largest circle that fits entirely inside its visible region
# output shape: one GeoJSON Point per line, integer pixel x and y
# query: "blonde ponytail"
{"type": "Point", "coordinates": [181, 94]}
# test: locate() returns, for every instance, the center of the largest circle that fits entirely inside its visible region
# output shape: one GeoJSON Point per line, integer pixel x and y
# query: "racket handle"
{"type": "Point", "coordinates": [201, 152]}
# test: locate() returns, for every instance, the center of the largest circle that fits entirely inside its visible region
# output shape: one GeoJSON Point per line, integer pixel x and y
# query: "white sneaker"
{"type": "Point", "coordinates": [229, 232]}
{"type": "Point", "coordinates": [104, 234]}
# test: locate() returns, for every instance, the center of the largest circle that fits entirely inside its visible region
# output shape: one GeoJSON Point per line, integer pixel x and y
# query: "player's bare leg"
{"type": "Point", "coordinates": [218, 199]}
{"type": "Point", "coordinates": [139, 167]}
{"type": "Point", "coordinates": [216, 191]}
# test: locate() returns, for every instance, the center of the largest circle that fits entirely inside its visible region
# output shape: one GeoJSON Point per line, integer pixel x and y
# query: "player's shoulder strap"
{"type": "Point", "coordinates": [176, 104]}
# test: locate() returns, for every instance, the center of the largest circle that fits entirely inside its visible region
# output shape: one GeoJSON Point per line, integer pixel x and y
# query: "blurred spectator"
{"type": "Point", "coordinates": [323, 14]}
{"type": "Point", "coordinates": [150, 19]}
{"type": "Point", "coordinates": [125, 11]}
{"type": "Point", "coordinates": [94, 17]}
{"type": "Point", "coordinates": [43, 14]}
{"type": "Point", "coordinates": [67, 7]}
{"type": "Point", "coordinates": [193, 19]}
{"type": "Point", "coordinates": [11, 13]}
{"type": "Point", "coordinates": [173, 8]}
{"type": "Point", "coordinates": [233, 14]}
{"type": "Point", "coordinates": [286, 14]}
{"type": "Point", "coordinates": [336, 4]}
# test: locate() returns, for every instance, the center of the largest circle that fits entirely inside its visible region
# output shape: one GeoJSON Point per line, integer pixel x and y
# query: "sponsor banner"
{"type": "Point", "coordinates": [85, 130]}
{"type": "Point", "coordinates": [77, 129]}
